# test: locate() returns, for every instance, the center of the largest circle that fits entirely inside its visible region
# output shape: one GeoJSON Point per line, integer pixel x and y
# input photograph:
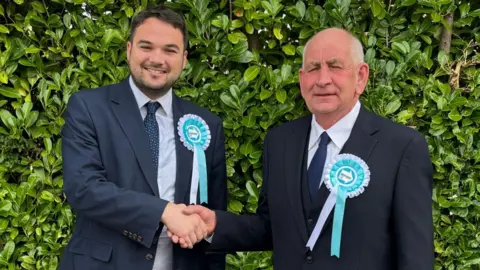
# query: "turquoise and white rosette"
{"type": "Point", "coordinates": [195, 135]}
{"type": "Point", "coordinates": [346, 176]}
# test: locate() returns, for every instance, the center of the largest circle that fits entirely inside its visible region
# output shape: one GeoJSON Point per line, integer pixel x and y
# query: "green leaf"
{"type": "Point", "coordinates": [390, 67]}
{"type": "Point", "coordinates": [4, 29]}
{"type": "Point", "coordinates": [3, 77]}
{"type": "Point", "coordinates": [228, 100]}
{"type": "Point", "coordinates": [237, 23]}
{"type": "Point", "coordinates": [277, 31]}
{"type": "Point", "coordinates": [252, 189]}
{"type": "Point", "coordinates": [376, 8]}
{"type": "Point", "coordinates": [249, 28]}
{"type": "Point", "coordinates": [32, 49]}
{"type": "Point", "coordinates": [264, 94]}
{"type": "Point", "coordinates": [436, 17]}
{"type": "Point", "coordinates": [5, 206]}
{"type": "Point", "coordinates": [288, 49]}
{"type": "Point", "coordinates": [251, 73]}
{"type": "Point", "coordinates": [281, 96]}
{"type": "Point", "coordinates": [8, 250]}
{"type": "Point", "coordinates": [2, 11]}
{"type": "Point", "coordinates": [236, 37]}
{"type": "Point", "coordinates": [235, 206]}
{"type": "Point", "coordinates": [393, 106]}
{"type": "Point", "coordinates": [7, 118]}
{"type": "Point", "coordinates": [406, 3]}
{"type": "Point", "coordinates": [300, 7]}
{"type": "Point", "coordinates": [454, 115]}
{"type": "Point", "coordinates": [286, 72]}
{"type": "Point", "coordinates": [305, 33]}
{"type": "Point", "coordinates": [47, 195]}
{"type": "Point", "coordinates": [38, 7]}
{"type": "Point", "coordinates": [27, 259]}
{"type": "Point", "coordinates": [400, 47]}
{"type": "Point", "coordinates": [249, 121]}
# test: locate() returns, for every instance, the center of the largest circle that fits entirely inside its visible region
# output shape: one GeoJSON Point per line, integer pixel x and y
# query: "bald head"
{"type": "Point", "coordinates": [342, 38]}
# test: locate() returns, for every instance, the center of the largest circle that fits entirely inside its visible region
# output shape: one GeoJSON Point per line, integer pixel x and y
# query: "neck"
{"type": "Point", "coordinates": [154, 94]}
{"type": "Point", "coordinates": [327, 120]}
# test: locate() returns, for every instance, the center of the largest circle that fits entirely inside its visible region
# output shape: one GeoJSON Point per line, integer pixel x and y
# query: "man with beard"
{"type": "Point", "coordinates": [129, 165]}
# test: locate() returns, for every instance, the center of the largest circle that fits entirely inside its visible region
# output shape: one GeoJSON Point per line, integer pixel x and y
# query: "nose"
{"type": "Point", "coordinates": [157, 57]}
{"type": "Point", "coordinates": [324, 77]}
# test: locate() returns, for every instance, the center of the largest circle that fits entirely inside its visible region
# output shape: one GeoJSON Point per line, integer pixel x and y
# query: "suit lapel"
{"type": "Point", "coordinates": [184, 156]}
{"type": "Point", "coordinates": [128, 116]}
{"type": "Point", "coordinates": [295, 146]}
{"type": "Point", "coordinates": [360, 143]}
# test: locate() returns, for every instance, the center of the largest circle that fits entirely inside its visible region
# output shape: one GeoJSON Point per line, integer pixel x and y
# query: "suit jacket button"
{"type": "Point", "coordinates": [140, 239]}
{"type": "Point", "coordinates": [149, 256]}
{"type": "Point", "coordinates": [125, 233]}
{"type": "Point", "coordinates": [309, 259]}
{"type": "Point", "coordinates": [310, 221]}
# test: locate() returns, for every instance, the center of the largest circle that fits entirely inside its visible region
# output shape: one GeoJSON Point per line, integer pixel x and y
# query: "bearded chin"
{"type": "Point", "coordinates": [147, 89]}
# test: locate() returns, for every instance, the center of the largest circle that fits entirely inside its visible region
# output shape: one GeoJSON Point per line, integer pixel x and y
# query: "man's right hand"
{"type": "Point", "coordinates": [208, 216]}
{"type": "Point", "coordinates": [189, 227]}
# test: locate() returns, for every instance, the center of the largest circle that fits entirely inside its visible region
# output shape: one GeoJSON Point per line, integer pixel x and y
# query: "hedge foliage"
{"type": "Point", "coordinates": [243, 62]}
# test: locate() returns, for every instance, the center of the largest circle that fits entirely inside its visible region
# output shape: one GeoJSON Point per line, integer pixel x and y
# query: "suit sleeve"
{"type": "Point", "coordinates": [412, 209]}
{"type": "Point", "coordinates": [88, 189]}
{"type": "Point", "coordinates": [246, 232]}
{"type": "Point", "coordinates": [218, 191]}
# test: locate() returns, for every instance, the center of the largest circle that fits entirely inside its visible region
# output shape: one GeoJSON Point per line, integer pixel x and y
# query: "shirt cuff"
{"type": "Point", "coordinates": [209, 238]}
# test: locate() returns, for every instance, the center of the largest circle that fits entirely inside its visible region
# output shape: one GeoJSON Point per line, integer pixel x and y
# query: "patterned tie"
{"type": "Point", "coordinates": [315, 170]}
{"type": "Point", "coordinates": [151, 127]}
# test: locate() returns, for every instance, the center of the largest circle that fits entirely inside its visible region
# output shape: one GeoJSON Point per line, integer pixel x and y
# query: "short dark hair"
{"type": "Point", "coordinates": [164, 14]}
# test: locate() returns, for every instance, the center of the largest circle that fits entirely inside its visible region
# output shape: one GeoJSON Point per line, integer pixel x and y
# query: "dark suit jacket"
{"type": "Point", "coordinates": [110, 182]}
{"type": "Point", "coordinates": [387, 227]}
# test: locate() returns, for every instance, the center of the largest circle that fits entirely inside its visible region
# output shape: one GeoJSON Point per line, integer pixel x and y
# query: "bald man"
{"type": "Point", "coordinates": [343, 189]}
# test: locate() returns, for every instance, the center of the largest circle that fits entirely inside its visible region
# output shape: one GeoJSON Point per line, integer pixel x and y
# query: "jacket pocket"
{"type": "Point", "coordinates": [92, 248]}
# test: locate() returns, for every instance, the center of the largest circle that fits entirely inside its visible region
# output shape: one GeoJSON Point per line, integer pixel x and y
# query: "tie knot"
{"type": "Point", "coordinates": [324, 138]}
{"type": "Point", "coordinates": [152, 107]}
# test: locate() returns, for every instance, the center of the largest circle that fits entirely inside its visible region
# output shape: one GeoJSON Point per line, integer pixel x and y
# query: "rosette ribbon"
{"type": "Point", "coordinates": [195, 135]}
{"type": "Point", "coordinates": [346, 176]}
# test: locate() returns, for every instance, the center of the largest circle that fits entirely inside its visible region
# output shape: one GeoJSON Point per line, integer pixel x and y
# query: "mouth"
{"type": "Point", "coordinates": [155, 71]}
{"type": "Point", "coordinates": [324, 95]}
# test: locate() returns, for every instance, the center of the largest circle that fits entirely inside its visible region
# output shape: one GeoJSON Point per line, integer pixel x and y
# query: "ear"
{"type": "Point", "coordinates": [129, 48]}
{"type": "Point", "coordinates": [362, 78]}
{"type": "Point", "coordinates": [301, 77]}
{"type": "Point", "coordinates": [185, 53]}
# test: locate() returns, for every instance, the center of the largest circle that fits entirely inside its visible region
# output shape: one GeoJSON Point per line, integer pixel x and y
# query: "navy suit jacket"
{"type": "Point", "coordinates": [389, 226]}
{"type": "Point", "coordinates": [110, 182]}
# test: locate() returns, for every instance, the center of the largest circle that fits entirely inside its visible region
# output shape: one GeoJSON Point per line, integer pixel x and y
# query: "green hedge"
{"type": "Point", "coordinates": [243, 63]}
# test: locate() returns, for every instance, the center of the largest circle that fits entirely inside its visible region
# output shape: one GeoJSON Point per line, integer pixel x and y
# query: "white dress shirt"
{"type": "Point", "coordinates": [338, 133]}
{"type": "Point", "coordinates": [167, 165]}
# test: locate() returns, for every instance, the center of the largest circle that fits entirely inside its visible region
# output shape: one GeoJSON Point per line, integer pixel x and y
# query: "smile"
{"type": "Point", "coordinates": [156, 71]}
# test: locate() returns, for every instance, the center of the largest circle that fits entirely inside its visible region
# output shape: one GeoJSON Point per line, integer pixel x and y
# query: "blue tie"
{"type": "Point", "coordinates": [151, 127]}
{"type": "Point", "coordinates": [315, 170]}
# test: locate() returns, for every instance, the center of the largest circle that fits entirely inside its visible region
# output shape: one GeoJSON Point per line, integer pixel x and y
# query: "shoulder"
{"type": "Point", "coordinates": [96, 95]}
{"type": "Point", "coordinates": [397, 133]}
{"type": "Point", "coordinates": [282, 131]}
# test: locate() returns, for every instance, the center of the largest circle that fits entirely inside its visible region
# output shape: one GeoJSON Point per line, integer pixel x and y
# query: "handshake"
{"type": "Point", "coordinates": [188, 225]}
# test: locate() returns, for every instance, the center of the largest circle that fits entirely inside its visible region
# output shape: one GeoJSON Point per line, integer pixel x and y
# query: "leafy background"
{"type": "Point", "coordinates": [243, 63]}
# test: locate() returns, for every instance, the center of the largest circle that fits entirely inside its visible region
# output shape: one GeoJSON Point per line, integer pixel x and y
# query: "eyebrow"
{"type": "Point", "coordinates": [328, 62]}
{"type": "Point", "coordinates": [175, 46]}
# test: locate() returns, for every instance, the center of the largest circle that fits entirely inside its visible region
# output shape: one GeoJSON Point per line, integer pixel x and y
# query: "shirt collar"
{"type": "Point", "coordinates": [142, 99]}
{"type": "Point", "coordinates": [338, 133]}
